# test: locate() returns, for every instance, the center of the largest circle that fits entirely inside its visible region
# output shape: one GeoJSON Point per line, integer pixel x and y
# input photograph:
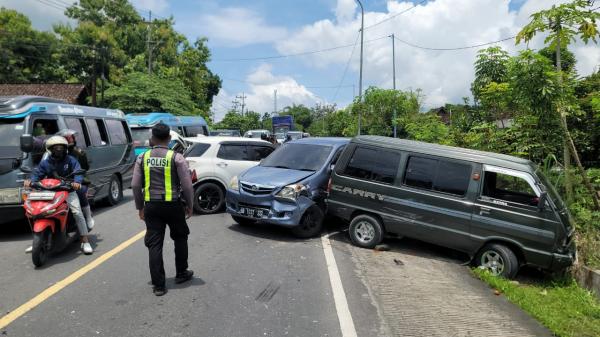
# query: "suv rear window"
{"type": "Point", "coordinates": [196, 150]}
{"type": "Point", "coordinates": [371, 164]}
{"type": "Point", "coordinates": [438, 175]}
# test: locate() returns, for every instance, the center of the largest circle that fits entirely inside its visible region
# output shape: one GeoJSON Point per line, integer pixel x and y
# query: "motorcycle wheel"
{"type": "Point", "coordinates": [39, 253]}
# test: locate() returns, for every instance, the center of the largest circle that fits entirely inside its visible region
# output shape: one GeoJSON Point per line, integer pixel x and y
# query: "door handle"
{"type": "Point", "coordinates": [221, 164]}
{"type": "Point", "coordinates": [484, 211]}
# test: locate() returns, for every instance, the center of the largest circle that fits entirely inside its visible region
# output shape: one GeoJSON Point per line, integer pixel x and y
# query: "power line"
{"type": "Point", "coordinates": [456, 48]}
{"type": "Point", "coordinates": [295, 54]}
{"type": "Point", "coordinates": [396, 15]}
{"type": "Point", "coordinates": [52, 5]}
{"type": "Point", "coordinates": [345, 69]}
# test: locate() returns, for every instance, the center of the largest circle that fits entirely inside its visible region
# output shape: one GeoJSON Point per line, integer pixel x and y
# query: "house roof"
{"type": "Point", "coordinates": [62, 91]}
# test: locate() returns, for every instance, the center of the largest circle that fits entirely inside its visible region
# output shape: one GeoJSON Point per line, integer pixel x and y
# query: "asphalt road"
{"type": "Point", "coordinates": [249, 281]}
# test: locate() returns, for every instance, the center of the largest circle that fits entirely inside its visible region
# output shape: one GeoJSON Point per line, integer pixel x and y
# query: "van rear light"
{"type": "Point", "coordinates": [194, 176]}
{"type": "Point", "coordinates": [329, 186]}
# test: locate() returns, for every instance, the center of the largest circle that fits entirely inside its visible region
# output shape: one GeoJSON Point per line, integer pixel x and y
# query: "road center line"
{"type": "Point", "coordinates": [58, 286]}
{"type": "Point", "coordinates": [339, 296]}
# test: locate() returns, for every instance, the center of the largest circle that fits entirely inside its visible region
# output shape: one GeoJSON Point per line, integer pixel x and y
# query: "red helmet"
{"type": "Point", "coordinates": [69, 135]}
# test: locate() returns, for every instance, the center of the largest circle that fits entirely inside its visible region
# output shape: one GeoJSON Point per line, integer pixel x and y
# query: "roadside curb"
{"type": "Point", "coordinates": [589, 279]}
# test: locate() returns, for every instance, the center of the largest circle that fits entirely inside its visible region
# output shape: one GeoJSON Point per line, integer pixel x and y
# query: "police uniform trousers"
{"type": "Point", "coordinates": [158, 215]}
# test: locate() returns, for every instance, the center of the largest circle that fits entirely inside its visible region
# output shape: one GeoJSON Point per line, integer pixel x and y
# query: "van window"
{"type": "Point", "coordinates": [78, 125]}
{"type": "Point", "coordinates": [232, 152]}
{"type": "Point", "coordinates": [98, 136]}
{"type": "Point", "coordinates": [438, 175]}
{"type": "Point", "coordinates": [44, 127]}
{"type": "Point", "coordinates": [116, 131]}
{"type": "Point", "coordinates": [509, 188]}
{"type": "Point", "coordinates": [371, 164]}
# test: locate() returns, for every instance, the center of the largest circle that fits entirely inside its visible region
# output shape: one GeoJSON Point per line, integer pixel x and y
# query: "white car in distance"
{"type": "Point", "coordinates": [216, 160]}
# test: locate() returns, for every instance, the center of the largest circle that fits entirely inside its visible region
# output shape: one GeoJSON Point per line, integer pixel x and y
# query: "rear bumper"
{"type": "Point", "coordinates": [280, 213]}
{"type": "Point", "coordinates": [564, 260]}
{"type": "Point", "coordinates": [11, 213]}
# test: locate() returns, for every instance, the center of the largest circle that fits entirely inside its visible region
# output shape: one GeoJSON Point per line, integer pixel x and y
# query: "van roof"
{"type": "Point", "coordinates": [482, 157]}
{"type": "Point", "coordinates": [149, 119]}
{"type": "Point", "coordinates": [322, 141]}
{"type": "Point", "coordinates": [23, 106]}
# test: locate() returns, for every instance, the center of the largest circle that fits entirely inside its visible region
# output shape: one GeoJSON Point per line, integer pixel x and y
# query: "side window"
{"type": "Point", "coordinates": [257, 152]}
{"type": "Point", "coordinates": [438, 175]}
{"type": "Point", "coordinates": [44, 127]}
{"type": "Point", "coordinates": [232, 152]}
{"type": "Point", "coordinates": [78, 125]}
{"type": "Point", "coordinates": [197, 150]}
{"type": "Point", "coordinates": [371, 164]}
{"type": "Point", "coordinates": [116, 132]}
{"type": "Point", "coordinates": [98, 135]}
{"type": "Point", "coordinates": [509, 188]}
{"type": "Point", "coordinates": [420, 172]}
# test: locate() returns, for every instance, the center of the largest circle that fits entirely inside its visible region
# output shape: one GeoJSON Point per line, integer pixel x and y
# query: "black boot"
{"type": "Point", "coordinates": [183, 277]}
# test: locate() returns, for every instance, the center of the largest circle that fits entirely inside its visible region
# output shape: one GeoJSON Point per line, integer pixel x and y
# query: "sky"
{"type": "Point", "coordinates": [309, 50]}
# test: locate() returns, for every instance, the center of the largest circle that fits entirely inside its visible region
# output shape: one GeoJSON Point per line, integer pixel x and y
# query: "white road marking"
{"type": "Point", "coordinates": [339, 296]}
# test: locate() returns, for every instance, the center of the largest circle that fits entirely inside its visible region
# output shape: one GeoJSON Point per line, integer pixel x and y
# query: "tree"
{"type": "Point", "coordinates": [142, 92]}
{"type": "Point", "coordinates": [565, 22]}
{"type": "Point", "coordinates": [491, 66]}
{"type": "Point", "coordinates": [27, 55]}
{"type": "Point", "coordinates": [302, 115]}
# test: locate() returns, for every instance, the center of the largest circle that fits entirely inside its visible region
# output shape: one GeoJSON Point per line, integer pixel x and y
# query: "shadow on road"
{"type": "Point", "coordinates": [72, 252]}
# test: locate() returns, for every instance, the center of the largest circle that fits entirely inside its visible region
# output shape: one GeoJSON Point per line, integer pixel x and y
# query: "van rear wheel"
{"type": "Point", "coordinates": [115, 190]}
{"type": "Point", "coordinates": [366, 231]}
{"type": "Point", "coordinates": [498, 259]}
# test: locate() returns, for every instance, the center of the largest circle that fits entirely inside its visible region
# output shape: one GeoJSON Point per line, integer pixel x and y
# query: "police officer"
{"type": "Point", "coordinates": [158, 177]}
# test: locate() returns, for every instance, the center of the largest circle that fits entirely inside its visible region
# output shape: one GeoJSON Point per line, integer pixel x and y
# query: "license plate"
{"type": "Point", "coordinates": [252, 212]}
{"type": "Point", "coordinates": [41, 196]}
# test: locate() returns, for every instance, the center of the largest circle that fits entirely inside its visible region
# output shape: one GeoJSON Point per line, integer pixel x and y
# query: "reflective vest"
{"type": "Point", "coordinates": [158, 163]}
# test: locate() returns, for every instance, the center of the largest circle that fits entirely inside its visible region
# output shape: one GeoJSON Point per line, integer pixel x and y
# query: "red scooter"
{"type": "Point", "coordinates": [52, 224]}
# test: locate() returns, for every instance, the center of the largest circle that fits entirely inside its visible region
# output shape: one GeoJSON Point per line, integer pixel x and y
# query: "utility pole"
{"type": "Point", "coordinates": [243, 98]}
{"type": "Point", "coordinates": [149, 42]}
{"type": "Point", "coordinates": [275, 102]}
{"type": "Point", "coordinates": [235, 105]}
{"type": "Point", "coordinates": [394, 76]}
{"type": "Point", "coordinates": [362, 33]}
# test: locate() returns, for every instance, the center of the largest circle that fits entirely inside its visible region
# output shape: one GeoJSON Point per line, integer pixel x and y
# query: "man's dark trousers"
{"type": "Point", "coordinates": [157, 216]}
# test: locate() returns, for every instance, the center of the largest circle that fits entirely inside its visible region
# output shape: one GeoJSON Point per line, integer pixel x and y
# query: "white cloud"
{"type": "Point", "coordinates": [235, 27]}
{"type": "Point", "coordinates": [260, 97]}
{"type": "Point", "coordinates": [345, 10]}
{"type": "Point", "coordinates": [42, 16]}
{"type": "Point", "coordinates": [444, 76]}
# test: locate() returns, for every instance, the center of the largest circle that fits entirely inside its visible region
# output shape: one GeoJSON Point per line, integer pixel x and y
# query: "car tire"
{"type": "Point", "coordinates": [311, 223]}
{"type": "Point", "coordinates": [115, 190]}
{"type": "Point", "coordinates": [209, 198]}
{"type": "Point", "coordinates": [39, 253]}
{"type": "Point", "coordinates": [366, 231]}
{"type": "Point", "coordinates": [243, 221]}
{"type": "Point", "coordinates": [498, 259]}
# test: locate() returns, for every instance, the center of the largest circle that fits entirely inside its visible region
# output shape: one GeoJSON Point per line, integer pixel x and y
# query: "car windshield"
{"type": "Point", "coordinates": [141, 136]}
{"type": "Point", "coordinates": [304, 157]}
{"type": "Point", "coordinates": [10, 133]}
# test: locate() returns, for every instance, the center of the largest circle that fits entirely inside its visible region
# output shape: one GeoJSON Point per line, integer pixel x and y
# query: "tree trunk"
{"type": "Point", "coordinates": [569, 145]}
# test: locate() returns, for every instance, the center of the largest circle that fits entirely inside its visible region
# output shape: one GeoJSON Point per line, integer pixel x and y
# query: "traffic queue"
{"type": "Point", "coordinates": [500, 210]}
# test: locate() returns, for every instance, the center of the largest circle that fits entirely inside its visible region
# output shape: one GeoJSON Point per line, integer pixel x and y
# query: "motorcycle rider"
{"type": "Point", "coordinates": [79, 154]}
{"type": "Point", "coordinates": [60, 164]}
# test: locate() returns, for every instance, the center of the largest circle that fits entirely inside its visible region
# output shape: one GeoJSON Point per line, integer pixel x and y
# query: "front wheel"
{"type": "Point", "coordinates": [366, 231]}
{"type": "Point", "coordinates": [498, 259]}
{"type": "Point", "coordinates": [39, 252]}
{"type": "Point", "coordinates": [208, 198]}
{"type": "Point", "coordinates": [115, 190]}
{"type": "Point", "coordinates": [311, 223]}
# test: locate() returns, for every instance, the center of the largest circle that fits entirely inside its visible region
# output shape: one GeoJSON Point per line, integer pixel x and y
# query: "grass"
{"type": "Point", "coordinates": [561, 305]}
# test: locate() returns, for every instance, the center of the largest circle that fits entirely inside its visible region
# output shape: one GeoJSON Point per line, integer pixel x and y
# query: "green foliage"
{"type": "Point", "coordinates": [303, 116]}
{"type": "Point", "coordinates": [491, 66]}
{"type": "Point", "coordinates": [426, 128]}
{"type": "Point", "coordinates": [560, 304]}
{"type": "Point", "coordinates": [233, 120]}
{"type": "Point", "coordinates": [141, 92]}
{"type": "Point", "coordinates": [27, 55]}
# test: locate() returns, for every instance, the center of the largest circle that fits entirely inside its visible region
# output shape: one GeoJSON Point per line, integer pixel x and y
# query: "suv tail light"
{"type": "Point", "coordinates": [194, 176]}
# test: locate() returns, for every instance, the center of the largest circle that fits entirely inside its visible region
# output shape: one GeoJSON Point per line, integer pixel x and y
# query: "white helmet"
{"type": "Point", "coordinates": [56, 140]}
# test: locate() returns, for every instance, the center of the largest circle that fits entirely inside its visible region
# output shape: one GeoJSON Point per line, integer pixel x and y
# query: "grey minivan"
{"type": "Point", "coordinates": [499, 209]}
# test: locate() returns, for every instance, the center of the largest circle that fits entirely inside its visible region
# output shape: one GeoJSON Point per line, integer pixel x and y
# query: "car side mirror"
{"type": "Point", "coordinates": [542, 201]}
{"type": "Point", "coordinates": [26, 143]}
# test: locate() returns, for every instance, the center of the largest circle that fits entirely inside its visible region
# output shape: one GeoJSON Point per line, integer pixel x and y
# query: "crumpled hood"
{"type": "Point", "coordinates": [273, 176]}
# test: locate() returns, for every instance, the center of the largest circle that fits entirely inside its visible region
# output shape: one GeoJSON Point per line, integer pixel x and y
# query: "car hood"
{"type": "Point", "coordinates": [273, 176]}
